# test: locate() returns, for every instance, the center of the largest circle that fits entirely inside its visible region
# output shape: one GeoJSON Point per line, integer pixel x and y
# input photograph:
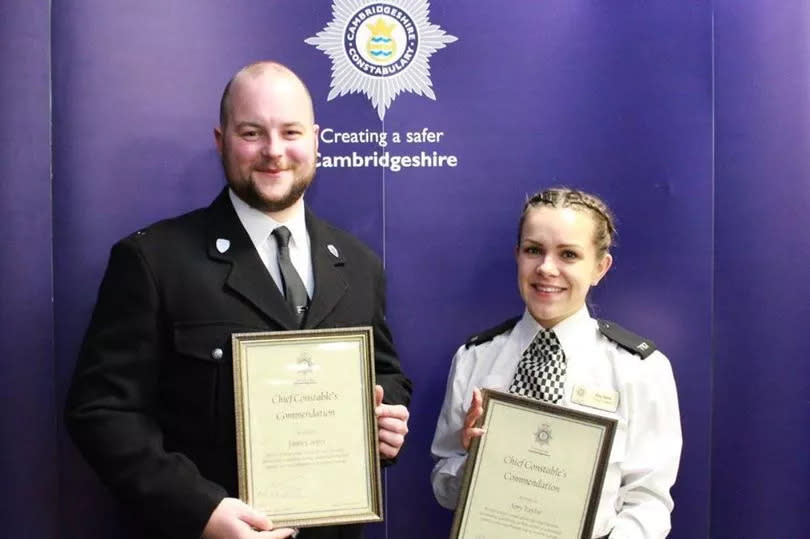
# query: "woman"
{"type": "Point", "coordinates": [556, 352]}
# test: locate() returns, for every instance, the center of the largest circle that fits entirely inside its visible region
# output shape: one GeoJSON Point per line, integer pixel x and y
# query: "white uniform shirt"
{"type": "Point", "coordinates": [635, 501]}
{"type": "Point", "coordinates": [260, 227]}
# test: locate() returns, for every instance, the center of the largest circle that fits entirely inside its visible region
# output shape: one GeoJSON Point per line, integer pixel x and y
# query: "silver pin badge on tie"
{"type": "Point", "coordinates": [332, 249]}
{"type": "Point", "coordinates": [223, 245]}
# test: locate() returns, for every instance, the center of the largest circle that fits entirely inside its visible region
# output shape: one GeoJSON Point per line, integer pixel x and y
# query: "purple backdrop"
{"type": "Point", "coordinates": [591, 108]}
{"type": "Point", "coordinates": [676, 114]}
{"type": "Point", "coordinates": [761, 408]}
{"type": "Point", "coordinates": [28, 425]}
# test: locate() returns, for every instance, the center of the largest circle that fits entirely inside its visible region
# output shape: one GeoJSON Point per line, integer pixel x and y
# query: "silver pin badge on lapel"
{"type": "Point", "coordinates": [332, 249]}
{"type": "Point", "coordinates": [223, 245]}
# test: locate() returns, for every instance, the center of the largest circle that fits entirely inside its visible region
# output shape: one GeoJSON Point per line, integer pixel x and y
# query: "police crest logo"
{"type": "Point", "coordinates": [541, 440]}
{"type": "Point", "coordinates": [304, 366]}
{"type": "Point", "coordinates": [380, 49]}
{"type": "Point", "coordinates": [380, 45]}
{"type": "Point", "coordinates": [542, 435]}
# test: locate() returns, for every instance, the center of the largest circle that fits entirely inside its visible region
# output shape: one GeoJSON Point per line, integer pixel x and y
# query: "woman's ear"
{"type": "Point", "coordinates": [601, 268]}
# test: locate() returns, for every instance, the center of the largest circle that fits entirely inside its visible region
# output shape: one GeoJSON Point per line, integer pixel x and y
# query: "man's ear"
{"type": "Point", "coordinates": [218, 139]}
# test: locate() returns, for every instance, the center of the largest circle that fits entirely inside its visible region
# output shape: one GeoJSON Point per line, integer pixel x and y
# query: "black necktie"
{"type": "Point", "coordinates": [294, 290]}
{"type": "Point", "coordinates": [541, 371]}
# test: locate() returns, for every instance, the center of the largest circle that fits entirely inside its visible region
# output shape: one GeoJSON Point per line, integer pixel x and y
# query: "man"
{"type": "Point", "coordinates": [151, 404]}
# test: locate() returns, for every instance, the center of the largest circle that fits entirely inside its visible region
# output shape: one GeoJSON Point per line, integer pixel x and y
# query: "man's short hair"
{"type": "Point", "coordinates": [257, 68]}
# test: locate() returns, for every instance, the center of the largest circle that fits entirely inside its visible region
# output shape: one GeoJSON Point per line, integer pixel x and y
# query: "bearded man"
{"type": "Point", "coordinates": [151, 404]}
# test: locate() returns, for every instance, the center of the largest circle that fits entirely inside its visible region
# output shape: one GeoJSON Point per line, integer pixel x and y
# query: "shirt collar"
{"type": "Point", "coordinates": [571, 332]}
{"type": "Point", "coordinates": [259, 225]}
{"type": "Point", "coordinates": [576, 330]}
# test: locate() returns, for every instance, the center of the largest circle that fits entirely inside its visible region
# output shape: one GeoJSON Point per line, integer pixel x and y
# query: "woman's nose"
{"type": "Point", "coordinates": [547, 265]}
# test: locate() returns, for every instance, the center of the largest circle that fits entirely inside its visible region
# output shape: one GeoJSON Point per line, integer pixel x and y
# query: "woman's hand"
{"type": "Point", "coordinates": [474, 413]}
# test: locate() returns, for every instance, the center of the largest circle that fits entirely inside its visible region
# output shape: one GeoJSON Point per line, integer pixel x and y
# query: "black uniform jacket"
{"type": "Point", "coordinates": [151, 404]}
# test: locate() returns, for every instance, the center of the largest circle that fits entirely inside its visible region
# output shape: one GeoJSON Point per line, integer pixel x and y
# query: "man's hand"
{"type": "Point", "coordinates": [234, 519]}
{"type": "Point", "coordinates": [392, 424]}
{"type": "Point", "coordinates": [475, 412]}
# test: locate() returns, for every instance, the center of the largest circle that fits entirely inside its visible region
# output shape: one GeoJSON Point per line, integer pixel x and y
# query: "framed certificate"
{"type": "Point", "coordinates": [306, 431]}
{"type": "Point", "coordinates": [537, 471]}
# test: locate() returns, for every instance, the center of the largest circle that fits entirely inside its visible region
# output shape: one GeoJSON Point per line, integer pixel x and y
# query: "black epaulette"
{"type": "Point", "coordinates": [488, 335]}
{"type": "Point", "coordinates": [626, 339]}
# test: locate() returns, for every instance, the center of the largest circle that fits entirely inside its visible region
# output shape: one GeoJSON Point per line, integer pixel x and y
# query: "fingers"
{"type": "Point", "coordinates": [378, 395]}
{"type": "Point", "coordinates": [233, 519]}
{"type": "Point", "coordinates": [474, 413]}
{"type": "Point", "coordinates": [388, 451]}
{"type": "Point", "coordinates": [467, 436]}
{"type": "Point", "coordinates": [476, 409]}
{"type": "Point", "coordinates": [396, 411]}
{"type": "Point", "coordinates": [392, 426]}
{"type": "Point", "coordinates": [393, 422]}
{"type": "Point", "coordinates": [255, 519]}
{"type": "Point", "coordinates": [391, 433]}
{"type": "Point", "coordinates": [281, 533]}
{"type": "Point", "coordinates": [478, 397]}
{"type": "Point", "coordinates": [391, 440]}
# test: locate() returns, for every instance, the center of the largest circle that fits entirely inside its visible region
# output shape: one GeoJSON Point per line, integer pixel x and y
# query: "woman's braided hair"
{"type": "Point", "coordinates": [563, 197]}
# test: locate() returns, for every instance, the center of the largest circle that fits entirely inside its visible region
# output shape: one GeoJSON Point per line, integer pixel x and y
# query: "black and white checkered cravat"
{"type": "Point", "coordinates": [541, 371]}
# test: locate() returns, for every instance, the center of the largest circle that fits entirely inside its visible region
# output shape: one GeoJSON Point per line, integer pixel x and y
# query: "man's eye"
{"type": "Point", "coordinates": [292, 133]}
{"type": "Point", "coordinates": [250, 134]}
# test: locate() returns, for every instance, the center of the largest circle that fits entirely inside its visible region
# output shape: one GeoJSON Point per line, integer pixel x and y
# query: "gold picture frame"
{"type": "Point", "coordinates": [536, 472]}
{"type": "Point", "coordinates": [306, 431]}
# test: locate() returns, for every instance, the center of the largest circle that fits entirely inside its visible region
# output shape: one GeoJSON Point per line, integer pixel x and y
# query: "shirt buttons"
{"type": "Point", "coordinates": [216, 353]}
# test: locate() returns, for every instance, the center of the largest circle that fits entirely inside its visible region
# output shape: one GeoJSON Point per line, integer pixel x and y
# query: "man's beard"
{"type": "Point", "coordinates": [247, 191]}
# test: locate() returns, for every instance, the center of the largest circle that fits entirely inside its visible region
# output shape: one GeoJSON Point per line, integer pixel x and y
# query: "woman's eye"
{"type": "Point", "coordinates": [570, 255]}
{"type": "Point", "coordinates": [531, 250]}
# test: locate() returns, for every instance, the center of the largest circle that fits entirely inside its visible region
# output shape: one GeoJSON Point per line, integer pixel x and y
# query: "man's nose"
{"type": "Point", "coordinates": [273, 146]}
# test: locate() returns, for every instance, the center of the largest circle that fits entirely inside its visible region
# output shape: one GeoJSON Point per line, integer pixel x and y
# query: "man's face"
{"type": "Point", "coordinates": [269, 143]}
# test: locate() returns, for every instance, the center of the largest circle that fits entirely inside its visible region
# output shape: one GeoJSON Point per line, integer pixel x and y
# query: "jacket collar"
{"type": "Point", "coordinates": [328, 265]}
{"type": "Point", "coordinates": [228, 242]}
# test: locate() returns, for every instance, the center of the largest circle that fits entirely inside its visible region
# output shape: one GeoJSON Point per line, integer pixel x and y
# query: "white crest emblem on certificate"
{"type": "Point", "coordinates": [380, 49]}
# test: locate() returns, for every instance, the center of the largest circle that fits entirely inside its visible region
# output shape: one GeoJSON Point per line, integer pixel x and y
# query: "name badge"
{"type": "Point", "coordinates": [596, 398]}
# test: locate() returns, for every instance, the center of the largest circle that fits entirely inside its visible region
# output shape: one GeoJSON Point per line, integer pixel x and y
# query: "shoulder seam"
{"type": "Point", "coordinates": [489, 334]}
{"type": "Point", "coordinates": [628, 340]}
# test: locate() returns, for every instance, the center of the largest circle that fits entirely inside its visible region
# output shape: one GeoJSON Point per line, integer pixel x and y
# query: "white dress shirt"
{"type": "Point", "coordinates": [635, 502]}
{"type": "Point", "coordinates": [260, 226]}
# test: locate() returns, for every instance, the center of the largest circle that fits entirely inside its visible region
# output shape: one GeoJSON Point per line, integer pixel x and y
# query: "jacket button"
{"type": "Point", "coordinates": [216, 353]}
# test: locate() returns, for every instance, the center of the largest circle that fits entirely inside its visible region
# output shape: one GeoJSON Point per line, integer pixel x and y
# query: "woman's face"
{"type": "Point", "coordinates": [557, 262]}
